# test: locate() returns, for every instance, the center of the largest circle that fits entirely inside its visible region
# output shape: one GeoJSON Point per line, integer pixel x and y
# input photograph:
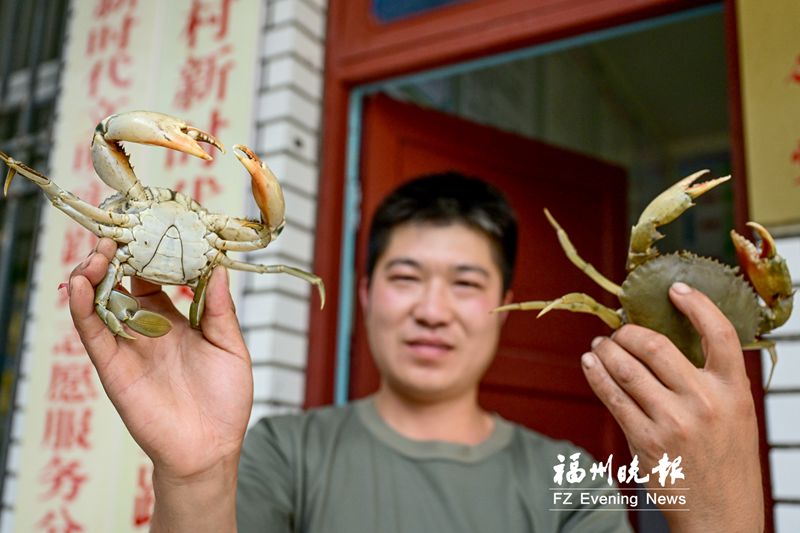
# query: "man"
{"type": "Point", "coordinates": [420, 455]}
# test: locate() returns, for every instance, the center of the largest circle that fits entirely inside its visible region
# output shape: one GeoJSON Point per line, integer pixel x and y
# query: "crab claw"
{"type": "Point", "coordinates": [158, 129]}
{"type": "Point", "coordinates": [767, 272]}
{"type": "Point", "coordinates": [267, 191]}
{"type": "Point", "coordinates": [125, 308]}
{"type": "Point", "coordinates": [665, 208]}
{"type": "Point", "coordinates": [15, 166]}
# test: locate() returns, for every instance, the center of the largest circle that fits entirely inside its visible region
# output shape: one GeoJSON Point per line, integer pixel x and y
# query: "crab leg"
{"type": "Point", "coordinates": [115, 307]}
{"type": "Point", "coordinates": [117, 233]}
{"type": "Point", "coordinates": [276, 269]}
{"type": "Point", "coordinates": [768, 345]}
{"type": "Point", "coordinates": [65, 200]}
{"type": "Point", "coordinates": [575, 301]}
{"type": "Point", "coordinates": [110, 160]}
{"type": "Point", "coordinates": [238, 246]}
{"type": "Point", "coordinates": [199, 301]}
{"type": "Point", "coordinates": [572, 255]}
{"type": "Point", "coordinates": [665, 208]}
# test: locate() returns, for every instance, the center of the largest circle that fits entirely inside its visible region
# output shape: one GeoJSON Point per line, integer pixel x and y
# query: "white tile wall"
{"type": "Point", "coordinates": [782, 407]}
{"type": "Point", "coordinates": [274, 308]}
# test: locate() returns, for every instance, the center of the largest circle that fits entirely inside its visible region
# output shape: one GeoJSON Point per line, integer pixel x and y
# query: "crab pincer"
{"type": "Point", "coordinates": [662, 210]}
{"type": "Point", "coordinates": [267, 191]}
{"type": "Point", "coordinates": [768, 274]}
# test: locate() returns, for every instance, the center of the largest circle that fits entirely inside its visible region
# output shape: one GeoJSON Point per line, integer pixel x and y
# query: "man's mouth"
{"type": "Point", "coordinates": [429, 347]}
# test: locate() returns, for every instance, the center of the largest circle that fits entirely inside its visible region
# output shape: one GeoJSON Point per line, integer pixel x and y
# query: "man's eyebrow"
{"type": "Point", "coordinates": [471, 268]}
{"type": "Point", "coordinates": [401, 261]}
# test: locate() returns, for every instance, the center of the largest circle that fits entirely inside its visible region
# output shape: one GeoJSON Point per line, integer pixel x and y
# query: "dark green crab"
{"type": "Point", "coordinates": [643, 294]}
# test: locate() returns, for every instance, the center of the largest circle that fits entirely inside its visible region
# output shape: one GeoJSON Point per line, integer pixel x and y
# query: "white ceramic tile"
{"type": "Point", "coordinates": [782, 419]}
{"type": "Point", "coordinates": [787, 518]}
{"type": "Point", "coordinates": [278, 384]}
{"type": "Point", "coordinates": [273, 308]}
{"type": "Point", "coordinates": [268, 345]}
{"type": "Point", "coordinates": [787, 371]}
{"type": "Point", "coordinates": [785, 470]}
{"type": "Point", "coordinates": [285, 103]}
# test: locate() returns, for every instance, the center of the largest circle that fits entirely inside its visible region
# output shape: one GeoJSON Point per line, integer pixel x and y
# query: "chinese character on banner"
{"type": "Point", "coordinates": [202, 76]}
{"type": "Point", "coordinates": [794, 75]}
{"type": "Point", "coordinates": [70, 343]}
{"type": "Point", "coordinates": [211, 14]}
{"type": "Point", "coordinates": [795, 158]}
{"type": "Point", "coordinates": [110, 69]}
{"type": "Point", "coordinates": [63, 479]}
{"type": "Point", "coordinates": [71, 383]}
{"type": "Point", "coordinates": [143, 504]}
{"type": "Point", "coordinates": [67, 428]}
{"type": "Point", "coordinates": [59, 522]}
{"type": "Point", "coordinates": [105, 8]}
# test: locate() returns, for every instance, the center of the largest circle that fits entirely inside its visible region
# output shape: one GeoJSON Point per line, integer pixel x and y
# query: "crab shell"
{"type": "Point", "coordinates": [643, 300]}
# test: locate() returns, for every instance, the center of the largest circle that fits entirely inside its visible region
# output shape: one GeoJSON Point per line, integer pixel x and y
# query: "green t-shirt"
{"type": "Point", "coordinates": [344, 470]}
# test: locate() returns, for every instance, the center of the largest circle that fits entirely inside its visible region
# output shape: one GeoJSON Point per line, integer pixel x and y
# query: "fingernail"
{"type": "Point", "coordinates": [681, 288]}
{"type": "Point", "coordinates": [596, 341]}
{"type": "Point", "coordinates": [587, 360]}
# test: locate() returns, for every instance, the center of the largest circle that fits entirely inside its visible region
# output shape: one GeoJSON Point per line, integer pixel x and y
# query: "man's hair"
{"type": "Point", "coordinates": [447, 198]}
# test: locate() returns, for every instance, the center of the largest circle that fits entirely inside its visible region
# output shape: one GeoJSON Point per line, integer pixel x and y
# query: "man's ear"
{"type": "Point", "coordinates": [363, 292]}
{"type": "Point", "coordinates": [507, 299]}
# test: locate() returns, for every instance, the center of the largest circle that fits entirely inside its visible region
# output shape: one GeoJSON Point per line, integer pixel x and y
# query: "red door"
{"type": "Point", "coordinates": [536, 377]}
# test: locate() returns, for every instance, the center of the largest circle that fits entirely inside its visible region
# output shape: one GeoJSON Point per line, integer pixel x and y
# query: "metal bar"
{"type": "Point", "coordinates": [7, 45]}
{"type": "Point", "coordinates": [347, 270]}
{"type": "Point", "coordinates": [34, 56]}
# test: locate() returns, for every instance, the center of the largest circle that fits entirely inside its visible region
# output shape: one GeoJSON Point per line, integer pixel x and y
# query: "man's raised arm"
{"type": "Point", "coordinates": [707, 416]}
{"type": "Point", "coordinates": [185, 397]}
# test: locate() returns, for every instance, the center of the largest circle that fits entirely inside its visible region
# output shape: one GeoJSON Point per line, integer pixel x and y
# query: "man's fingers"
{"type": "Point", "coordinates": [658, 353]}
{"type": "Point", "coordinates": [98, 340]}
{"type": "Point", "coordinates": [627, 413]}
{"type": "Point", "coordinates": [721, 344]}
{"type": "Point", "coordinates": [219, 323]}
{"type": "Point", "coordinates": [95, 266]}
{"type": "Point", "coordinates": [635, 379]}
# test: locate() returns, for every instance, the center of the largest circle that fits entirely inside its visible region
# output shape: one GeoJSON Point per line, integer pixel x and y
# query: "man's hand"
{"type": "Point", "coordinates": [185, 397]}
{"type": "Point", "coordinates": [706, 416]}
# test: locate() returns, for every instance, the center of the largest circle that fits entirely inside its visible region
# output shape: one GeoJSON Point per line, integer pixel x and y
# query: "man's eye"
{"type": "Point", "coordinates": [403, 278]}
{"type": "Point", "coordinates": [468, 284]}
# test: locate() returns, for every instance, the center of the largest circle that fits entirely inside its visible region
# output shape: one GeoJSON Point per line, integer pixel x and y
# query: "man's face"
{"type": "Point", "coordinates": [428, 310]}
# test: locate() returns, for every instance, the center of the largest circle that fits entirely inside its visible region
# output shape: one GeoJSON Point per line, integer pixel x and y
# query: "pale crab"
{"type": "Point", "coordinates": [643, 294]}
{"type": "Point", "coordinates": [164, 236]}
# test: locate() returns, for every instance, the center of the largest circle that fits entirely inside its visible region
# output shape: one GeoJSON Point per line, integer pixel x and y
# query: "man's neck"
{"type": "Point", "coordinates": [458, 420]}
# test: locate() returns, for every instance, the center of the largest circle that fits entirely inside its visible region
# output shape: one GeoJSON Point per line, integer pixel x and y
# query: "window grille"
{"type": "Point", "coordinates": [31, 41]}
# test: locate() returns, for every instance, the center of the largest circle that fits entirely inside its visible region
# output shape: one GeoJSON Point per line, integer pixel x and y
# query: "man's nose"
{"type": "Point", "coordinates": [434, 307]}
